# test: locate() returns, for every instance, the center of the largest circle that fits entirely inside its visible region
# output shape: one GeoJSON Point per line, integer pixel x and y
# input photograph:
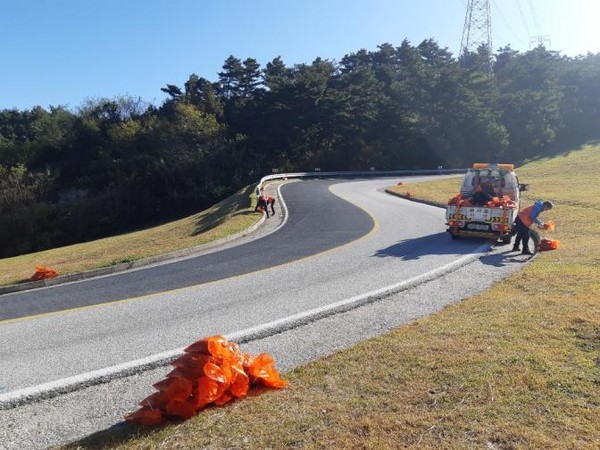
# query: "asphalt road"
{"type": "Point", "coordinates": [360, 239]}
{"type": "Point", "coordinates": [307, 224]}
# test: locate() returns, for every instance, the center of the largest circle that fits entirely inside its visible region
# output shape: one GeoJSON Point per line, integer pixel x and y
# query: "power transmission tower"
{"type": "Point", "coordinates": [477, 32]}
{"type": "Point", "coordinates": [539, 40]}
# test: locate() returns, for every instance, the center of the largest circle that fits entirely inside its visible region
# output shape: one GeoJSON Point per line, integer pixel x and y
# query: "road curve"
{"type": "Point", "coordinates": [150, 311]}
{"type": "Point", "coordinates": [308, 231]}
{"type": "Point", "coordinates": [395, 240]}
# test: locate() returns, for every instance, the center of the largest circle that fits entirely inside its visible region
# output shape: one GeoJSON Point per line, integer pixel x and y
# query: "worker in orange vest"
{"type": "Point", "coordinates": [523, 225]}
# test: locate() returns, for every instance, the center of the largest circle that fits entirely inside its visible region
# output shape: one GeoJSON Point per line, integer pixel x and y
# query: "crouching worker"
{"type": "Point", "coordinates": [524, 222]}
{"type": "Point", "coordinates": [261, 205]}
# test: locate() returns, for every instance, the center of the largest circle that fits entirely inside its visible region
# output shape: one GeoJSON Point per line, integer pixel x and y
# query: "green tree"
{"type": "Point", "coordinates": [529, 100]}
{"type": "Point", "coordinates": [580, 105]}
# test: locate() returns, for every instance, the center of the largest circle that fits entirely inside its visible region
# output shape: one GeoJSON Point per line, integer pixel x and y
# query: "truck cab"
{"type": "Point", "coordinates": [487, 203]}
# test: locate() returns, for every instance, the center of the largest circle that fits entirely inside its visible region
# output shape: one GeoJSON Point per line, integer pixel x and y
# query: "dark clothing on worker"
{"type": "Point", "coordinates": [480, 198]}
{"type": "Point", "coordinates": [481, 195]}
{"type": "Point", "coordinates": [261, 204]}
{"type": "Point", "coordinates": [522, 236]}
{"type": "Point", "coordinates": [271, 201]}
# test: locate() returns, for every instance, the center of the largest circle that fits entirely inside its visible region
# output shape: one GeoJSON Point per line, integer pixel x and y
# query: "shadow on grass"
{"type": "Point", "coordinates": [237, 204]}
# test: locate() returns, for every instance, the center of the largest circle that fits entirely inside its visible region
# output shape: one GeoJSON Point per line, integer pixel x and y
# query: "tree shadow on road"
{"type": "Point", "coordinates": [441, 244]}
{"type": "Point", "coordinates": [434, 244]}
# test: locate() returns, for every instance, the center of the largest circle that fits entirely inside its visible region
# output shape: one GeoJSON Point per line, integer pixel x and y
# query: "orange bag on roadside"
{"type": "Point", "coordinates": [548, 244]}
{"type": "Point", "coordinates": [43, 273]}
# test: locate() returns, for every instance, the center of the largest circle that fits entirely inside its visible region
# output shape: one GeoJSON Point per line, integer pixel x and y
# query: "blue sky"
{"type": "Point", "coordinates": [62, 52]}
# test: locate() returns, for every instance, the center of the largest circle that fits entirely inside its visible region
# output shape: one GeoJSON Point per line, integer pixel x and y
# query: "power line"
{"type": "Point", "coordinates": [506, 22]}
{"type": "Point", "coordinates": [523, 17]}
{"type": "Point", "coordinates": [540, 39]}
{"type": "Point", "coordinates": [535, 21]}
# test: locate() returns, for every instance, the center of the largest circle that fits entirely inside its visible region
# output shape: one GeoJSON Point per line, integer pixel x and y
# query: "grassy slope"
{"type": "Point", "coordinates": [228, 217]}
{"type": "Point", "coordinates": [514, 367]}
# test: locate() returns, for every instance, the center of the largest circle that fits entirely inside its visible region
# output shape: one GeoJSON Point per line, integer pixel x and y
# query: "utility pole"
{"type": "Point", "coordinates": [477, 32]}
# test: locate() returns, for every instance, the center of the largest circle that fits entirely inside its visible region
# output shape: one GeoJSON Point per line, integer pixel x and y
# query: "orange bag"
{"type": "Point", "coordinates": [549, 225]}
{"type": "Point", "coordinates": [548, 244]}
{"type": "Point", "coordinates": [503, 202]}
{"type": "Point", "coordinates": [263, 370]}
{"type": "Point", "coordinates": [43, 273]}
{"type": "Point", "coordinates": [146, 416]}
{"type": "Point", "coordinates": [214, 345]}
{"type": "Point", "coordinates": [174, 388]}
{"type": "Point", "coordinates": [455, 200]}
{"type": "Point", "coordinates": [211, 371]}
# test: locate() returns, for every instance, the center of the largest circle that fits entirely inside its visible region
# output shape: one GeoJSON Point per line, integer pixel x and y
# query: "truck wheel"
{"type": "Point", "coordinates": [506, 240]}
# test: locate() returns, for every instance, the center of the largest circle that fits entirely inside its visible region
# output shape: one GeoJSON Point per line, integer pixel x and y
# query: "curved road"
{"type": "Point", "coordinates": [148, 311]}
{"type": "Point", "coordinates": [308, 231]}
{"type": "Point", "coordinates": [352, 238]}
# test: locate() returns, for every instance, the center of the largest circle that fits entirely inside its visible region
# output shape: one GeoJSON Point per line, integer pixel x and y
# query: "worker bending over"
{"type": "Point", "coordinates": [263, 203]}
{"type": "Point", "coordinates": [524, 222]}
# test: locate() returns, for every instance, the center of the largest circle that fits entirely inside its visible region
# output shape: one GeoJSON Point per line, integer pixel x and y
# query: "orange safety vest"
{"type": "Point", "coordinates": [525, 216]}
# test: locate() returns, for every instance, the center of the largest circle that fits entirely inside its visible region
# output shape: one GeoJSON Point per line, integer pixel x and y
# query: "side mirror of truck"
{"type": "Point", "coordinates": [523, 187]}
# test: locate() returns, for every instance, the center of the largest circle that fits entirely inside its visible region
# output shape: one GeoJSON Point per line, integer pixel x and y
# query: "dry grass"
{"type": "Point", "coordinates": [228, 217]}
{"type": "Point", "coordinates": [516, 367]}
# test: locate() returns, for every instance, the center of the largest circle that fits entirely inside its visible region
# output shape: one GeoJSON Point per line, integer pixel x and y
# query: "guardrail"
{"type": "Point", "coordinates": [353, 174]}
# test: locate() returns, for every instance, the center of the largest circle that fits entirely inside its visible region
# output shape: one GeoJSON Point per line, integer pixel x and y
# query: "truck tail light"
{"type": "Point", "coordinates": [499, 227]}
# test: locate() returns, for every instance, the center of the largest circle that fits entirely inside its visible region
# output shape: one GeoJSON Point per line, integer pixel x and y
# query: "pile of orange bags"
{"type": "Point", "coordinates": [495, 202]}
{"type": "Point", "coordinates": [211, 371]}
{"type": "Point", "coordinates": [42, 273]}
{"type": "Point", "coordinates": [504, 202]}
{"type": "Point", "coordinates": [459, 201]}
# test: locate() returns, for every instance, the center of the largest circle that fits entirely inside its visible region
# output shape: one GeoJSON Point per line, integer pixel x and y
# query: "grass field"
{"type": "Point", "coordinates": [515, 367]}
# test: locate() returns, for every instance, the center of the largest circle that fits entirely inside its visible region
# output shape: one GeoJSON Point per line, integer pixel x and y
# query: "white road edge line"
{"type": "Point", "coordinates": [51, 389]}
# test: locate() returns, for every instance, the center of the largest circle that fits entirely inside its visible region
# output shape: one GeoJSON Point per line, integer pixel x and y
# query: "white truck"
{"type": "Point", "coordinates": [487, 204]}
